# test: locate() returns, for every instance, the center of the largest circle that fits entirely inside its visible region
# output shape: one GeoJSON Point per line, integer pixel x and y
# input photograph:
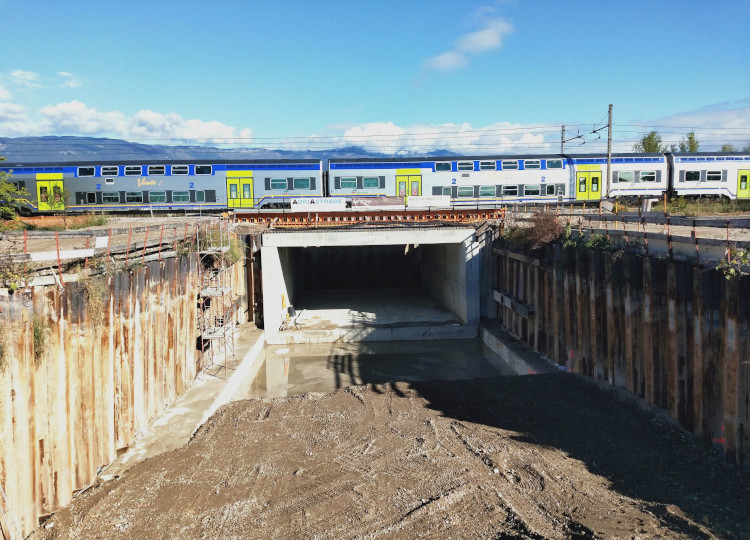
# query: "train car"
{"type": "Point", "coordinates": [711, 174]}
{"type": "Point", "coordinates": [166, 185]}
{"type": "Point", "coordinates": [496, 180]}
{"type": "Point", "coordinates": [467, 180]}
{"type": "Point", "coordinates": [632, 176]}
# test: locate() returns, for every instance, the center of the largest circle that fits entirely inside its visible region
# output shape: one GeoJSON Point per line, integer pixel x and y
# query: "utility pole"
{"type": "Point", "coordinates": [562, 140]}
{"type": "Point", "coordinates": [609, 148]}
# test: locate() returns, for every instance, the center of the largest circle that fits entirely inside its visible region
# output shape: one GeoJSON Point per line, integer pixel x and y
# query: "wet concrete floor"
{"type": "Point", "coordinates": [289, 370]}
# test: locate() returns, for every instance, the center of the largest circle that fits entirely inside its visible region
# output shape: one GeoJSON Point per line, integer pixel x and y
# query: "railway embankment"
{"type": "Point", "coordinates": [671, 332]}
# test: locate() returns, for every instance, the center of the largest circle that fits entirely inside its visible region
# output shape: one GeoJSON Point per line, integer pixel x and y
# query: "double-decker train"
{"type": "Point", "coordinates": [456, 180]}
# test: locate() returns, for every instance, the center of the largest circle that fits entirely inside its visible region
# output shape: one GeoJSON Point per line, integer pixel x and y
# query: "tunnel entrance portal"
{"type": "Point", "coordinates": [373, 285]}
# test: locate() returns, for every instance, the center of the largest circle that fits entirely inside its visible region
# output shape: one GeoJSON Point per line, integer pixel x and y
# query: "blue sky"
{"type": "Point", "coordinates": [472, 76]}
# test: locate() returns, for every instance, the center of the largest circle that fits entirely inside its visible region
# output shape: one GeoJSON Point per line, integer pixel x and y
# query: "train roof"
{"type": "Point", "coordinates": [112, 162]}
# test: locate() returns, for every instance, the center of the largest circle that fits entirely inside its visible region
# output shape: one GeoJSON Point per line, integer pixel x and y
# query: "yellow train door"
{"type": "Point", "coordinates": [49, 192]}
{"type": "Point", "coordinates": [240, 189]}
{"type": "Point", "coordinates": [588, 183]}
{"type": "Point", "coordinates": [743, 184]}
{"type": "Point", "coordinates": [408, 183]}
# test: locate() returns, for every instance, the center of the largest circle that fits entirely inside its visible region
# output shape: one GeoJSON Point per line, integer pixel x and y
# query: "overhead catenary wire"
{"type": "Point", "coordinates": [495, 139]}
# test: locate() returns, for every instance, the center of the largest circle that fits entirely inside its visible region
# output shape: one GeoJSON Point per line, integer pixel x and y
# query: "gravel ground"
{"type": "Point", "coordinates": [544, 456]}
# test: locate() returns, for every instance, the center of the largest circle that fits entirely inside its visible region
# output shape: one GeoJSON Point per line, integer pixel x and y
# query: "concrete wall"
{"type": "Point", "coordinates": [281, 282]}
{"type": "Point", "coordinates": [450, 273]}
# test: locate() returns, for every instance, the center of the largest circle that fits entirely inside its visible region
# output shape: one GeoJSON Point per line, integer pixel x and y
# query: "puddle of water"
{"type": "Point", "coordinates": [290, 370]}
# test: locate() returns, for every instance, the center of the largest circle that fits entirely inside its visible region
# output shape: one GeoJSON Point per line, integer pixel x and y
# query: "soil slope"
{"type": "Point", "coordinates": [546, 456]}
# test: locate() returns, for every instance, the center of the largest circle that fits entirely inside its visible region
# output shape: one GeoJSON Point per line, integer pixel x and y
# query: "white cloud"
{"type": "Point", "coordinates": [389, 138]}
{"type": "Point", "coordinates": [448, 61]}
{"type": "Point", "coordinates": [76, 119]}
{"type": "Point", "coordinates": [4, 93]}
{"type": "Point", "coordinates": [25, 78]}
{"type": "Point", "coordinates": [15, 122]}
{"type": "Point", "coordinates": [488, 38]}
{"type": "Point", "coordinates": [69, 79]}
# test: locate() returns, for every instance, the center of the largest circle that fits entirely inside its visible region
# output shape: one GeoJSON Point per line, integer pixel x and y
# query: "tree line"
{"type": "Point", "coordinates": [652, 142]}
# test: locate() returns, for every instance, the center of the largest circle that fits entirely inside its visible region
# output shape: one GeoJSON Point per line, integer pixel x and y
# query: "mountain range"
{"type": "Point", "coordinates": [54, 149]}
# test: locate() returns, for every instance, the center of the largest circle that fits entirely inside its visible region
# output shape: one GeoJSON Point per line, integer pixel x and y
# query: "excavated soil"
{"type": "Point", "coordinates": [545, 456]}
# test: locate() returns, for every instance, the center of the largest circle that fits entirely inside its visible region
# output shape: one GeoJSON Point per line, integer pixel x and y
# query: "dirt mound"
{"type": "Point", "coordinates": [548, 456]}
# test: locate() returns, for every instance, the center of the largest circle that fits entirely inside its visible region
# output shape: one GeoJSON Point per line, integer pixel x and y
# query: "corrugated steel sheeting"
{"type": "Point", "coordinates": [672, 333]}
{"type": "Point", "coordinates": [104, 374]}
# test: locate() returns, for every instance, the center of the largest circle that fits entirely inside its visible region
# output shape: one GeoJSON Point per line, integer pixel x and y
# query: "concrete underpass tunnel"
{"type": "Point", "coordinates": [370, 285]}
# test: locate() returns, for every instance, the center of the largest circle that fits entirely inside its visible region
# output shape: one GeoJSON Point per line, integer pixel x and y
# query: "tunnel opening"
{"type": "Point", "coordinates": [369, 292]}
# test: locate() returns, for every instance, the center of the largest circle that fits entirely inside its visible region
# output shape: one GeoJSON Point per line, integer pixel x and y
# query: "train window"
{"type": "Point", "coordinates": [550, 189]}
{"type": "Point", "coordinates": [532, 190]}
{"type": "Point", "coordinates": [713, 176]}
{"type": "Point", "coordinates": [200, 196]}
{"type": "Point", "coordinates": [532, 164]}
{"type": "Point", "coordinates": [447, 190]}
{"type": "Point", "coordinates": [510, 164]}
{"type": "Point", "coordinates": [203, 169]}
{"type": "Point", "coordinates": [692, 176]}
{"type": "Point", "coordinates": [442, 166]}
{"type": "Point", "coordinates": [133, 196]}
{"type": "Point", "coordinates": [465, 165]}
{"type": "Point", "coordinates": [487, 165]}
{"type": "Point", "coordinates": [246, 191]}
{"type": "Point", "coordinates": [232, 191]}
{"type": "Point", "coordinates": [510, 190]}
{"type": "Point", "coordinates": [554, 164]}
{"type": "Point", "coordinates": [348, 182]}
{"type": "Point", "coordinates": [86, 171]}
{"type": "Point", "coordinates": [110, 170]}
{"type": "Point", "coordinates": [486, 191]}
{"type": "Point", "coordinates": [156, 170]}
{"type": "Point", "coordinates": [110, 197]}
{"type": "Point", "coordinates": [465, 191]}
{"type": "Point", "coordinates": [180, 196]}
{"type": "Point", "coordinates": [90, 198]}
{"type": "Point", "coordinates": [301, 183]}
{"type": "Point", "coordinates": [157, 196]}
{"type": "Point", "coordinates": [179, 169]}
{"type": "Point", "coordinates": [624, 176]}
{"type": "Point", "coordinates": [371, 182]}
{"type": "Point", "coordinates": [648, 176]}
{"type": "Point", "coordinates": [278, 183]}
{"type": "Point", "coordinates": [133, 170]}
{"type": "Point", "coordinates": [109, 181]}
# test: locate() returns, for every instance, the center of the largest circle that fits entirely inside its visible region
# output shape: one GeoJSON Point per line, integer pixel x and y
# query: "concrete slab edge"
{"type": "Point", "coordinates": [516, 354]}
{"type": "Point", "coordinates": [241, 374]}
{"type": "Point", "coordinates": [350, 335]}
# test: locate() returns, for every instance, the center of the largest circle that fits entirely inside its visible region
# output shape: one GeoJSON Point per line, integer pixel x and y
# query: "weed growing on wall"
{"type": "Point", "coordinates": [93, 294]}
{"type": "Point", "coordinates": [543, 228]}
{"type": "Point", "coordinates": [41, 338]}
{"type": "Point", "coordinates": [3, 348]}
{"type": "Point", "coordinates": [737, 265]}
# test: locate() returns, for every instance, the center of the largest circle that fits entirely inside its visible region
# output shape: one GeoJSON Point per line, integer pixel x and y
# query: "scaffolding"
{"type": "Point", "coordinates": [217, 305]}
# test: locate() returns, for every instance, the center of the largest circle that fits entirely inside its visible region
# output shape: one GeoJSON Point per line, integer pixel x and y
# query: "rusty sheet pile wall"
{"type": "Point", "coordinates": [674, 334]}
{"type": "Point", "coordinates": [82, 370]}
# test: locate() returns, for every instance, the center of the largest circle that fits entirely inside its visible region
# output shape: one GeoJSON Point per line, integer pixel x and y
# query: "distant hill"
{"type": "Point", "coordinates": [19, 150]}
